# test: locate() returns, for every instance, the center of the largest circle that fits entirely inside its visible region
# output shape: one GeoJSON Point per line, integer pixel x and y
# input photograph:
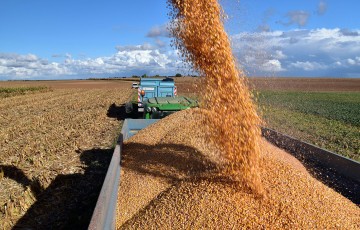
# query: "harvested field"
{"type": "Point", "coordinates": [186, 84]}
{"type": "Point", "coordinates": [320, 111]}
{"type": "Point", "coordinates": [55, 149]}
{"type": "Point", "coordinates": [10, 92]}
{"type": "Point", "coordinates": [73, 84]}
{"type": "Point", "coordinates": [171, 179]}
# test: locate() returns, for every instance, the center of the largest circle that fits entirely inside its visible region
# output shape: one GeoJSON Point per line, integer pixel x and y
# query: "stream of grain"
{"type": "Point", "coordinates": [231, 120]}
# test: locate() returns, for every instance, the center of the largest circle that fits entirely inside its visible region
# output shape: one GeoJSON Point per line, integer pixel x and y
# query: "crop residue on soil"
{"type": "Point", "coordinates": [230, 116]}
{"type": "Point", "coordinates": [55, 149]}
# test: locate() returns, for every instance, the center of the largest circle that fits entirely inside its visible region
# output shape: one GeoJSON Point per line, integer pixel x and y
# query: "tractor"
{"type": "Point", "coordinates": [157, 98]}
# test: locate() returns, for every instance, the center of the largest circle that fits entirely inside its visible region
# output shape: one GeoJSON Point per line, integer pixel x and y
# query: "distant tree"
{"type": "Point", "coordinates": [157, 76]}
{"type": "Point", "coordinates": [144, 75]}
{"type": "Point", "coordinates": [135, 76]}
{"type": "Point", "coordinates": [178, 75]}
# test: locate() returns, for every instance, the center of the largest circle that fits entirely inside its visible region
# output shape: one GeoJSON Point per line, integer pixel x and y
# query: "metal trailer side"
{"type": "Point", "coordinates": [308, 152]}
{"type": "Point", "coordinates": [157, 87]}
{"type": "Point", "coordinates": [337, 172]}
{"type": "Point", "coordinates": [104, 215]}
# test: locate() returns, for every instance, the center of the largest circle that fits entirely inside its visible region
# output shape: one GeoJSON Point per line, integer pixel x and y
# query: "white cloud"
{"type": "Point", "coordinates": [308, 66]}
{"type": "Point", "coordinates": [353, 61]}
{"type": "Point", "coordinates": [272, 66]}
{"type": "Point", "coordinates": [23, 66]}
{"type": "Point", "coordinates": [128, 60]}
{"type": "Point", "coordinates": [279, 54]}
{"type": "Point", "coordinates": [297, 52]}
{"type": "Point", "coordinates": [307, 52]}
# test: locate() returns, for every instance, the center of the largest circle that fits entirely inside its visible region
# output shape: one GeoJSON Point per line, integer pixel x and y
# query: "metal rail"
{"type": "Point", "coordinates": [344, 173]}
{"type": "Point", "coordinates": [337, 172]}
{"type": "Point", "coordinates": [308, 152]}
{"type": "Point", "coordinates": [104, 215]}
{"type": "Point", "coordinates": [105, 210]}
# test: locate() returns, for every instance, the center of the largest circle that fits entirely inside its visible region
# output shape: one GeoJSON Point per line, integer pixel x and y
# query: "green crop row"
{"type": "Point", "coordinates": [330, 120]}
{"type": "Point", "coordinates": [14, 91]}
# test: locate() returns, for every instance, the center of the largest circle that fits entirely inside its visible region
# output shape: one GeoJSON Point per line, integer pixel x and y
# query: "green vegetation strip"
{"type": "Point", "coordinates": [14, 91]}
{"type": "Point", "coordinates": [330, 120]}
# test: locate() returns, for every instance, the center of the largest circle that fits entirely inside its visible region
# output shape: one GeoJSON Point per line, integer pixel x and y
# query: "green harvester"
{"type": "Point", "coordinates": [159, 107]}
{"type": "Point", "coordinates": [157, 98]}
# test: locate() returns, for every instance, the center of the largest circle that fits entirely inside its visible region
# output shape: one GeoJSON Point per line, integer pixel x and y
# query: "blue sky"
{"type": "Point", "coordinates": [77, 39]}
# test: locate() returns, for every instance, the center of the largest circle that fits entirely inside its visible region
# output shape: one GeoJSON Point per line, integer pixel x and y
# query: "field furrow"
{"type": "Point", "coordinates": [44, 135]}
{"type": "Point", "coordinates": [26, 113]}
{"type": "Point", "coordinates": [11, 102]}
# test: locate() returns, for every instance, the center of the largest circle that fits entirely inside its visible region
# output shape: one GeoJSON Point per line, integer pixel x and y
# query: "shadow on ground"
{"type": "Point", "coordinates": [12, 172]}
{"type": "Point", "coordinates": [69, 201]}
{"type": "Point", "coordinates": [119, 112]}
